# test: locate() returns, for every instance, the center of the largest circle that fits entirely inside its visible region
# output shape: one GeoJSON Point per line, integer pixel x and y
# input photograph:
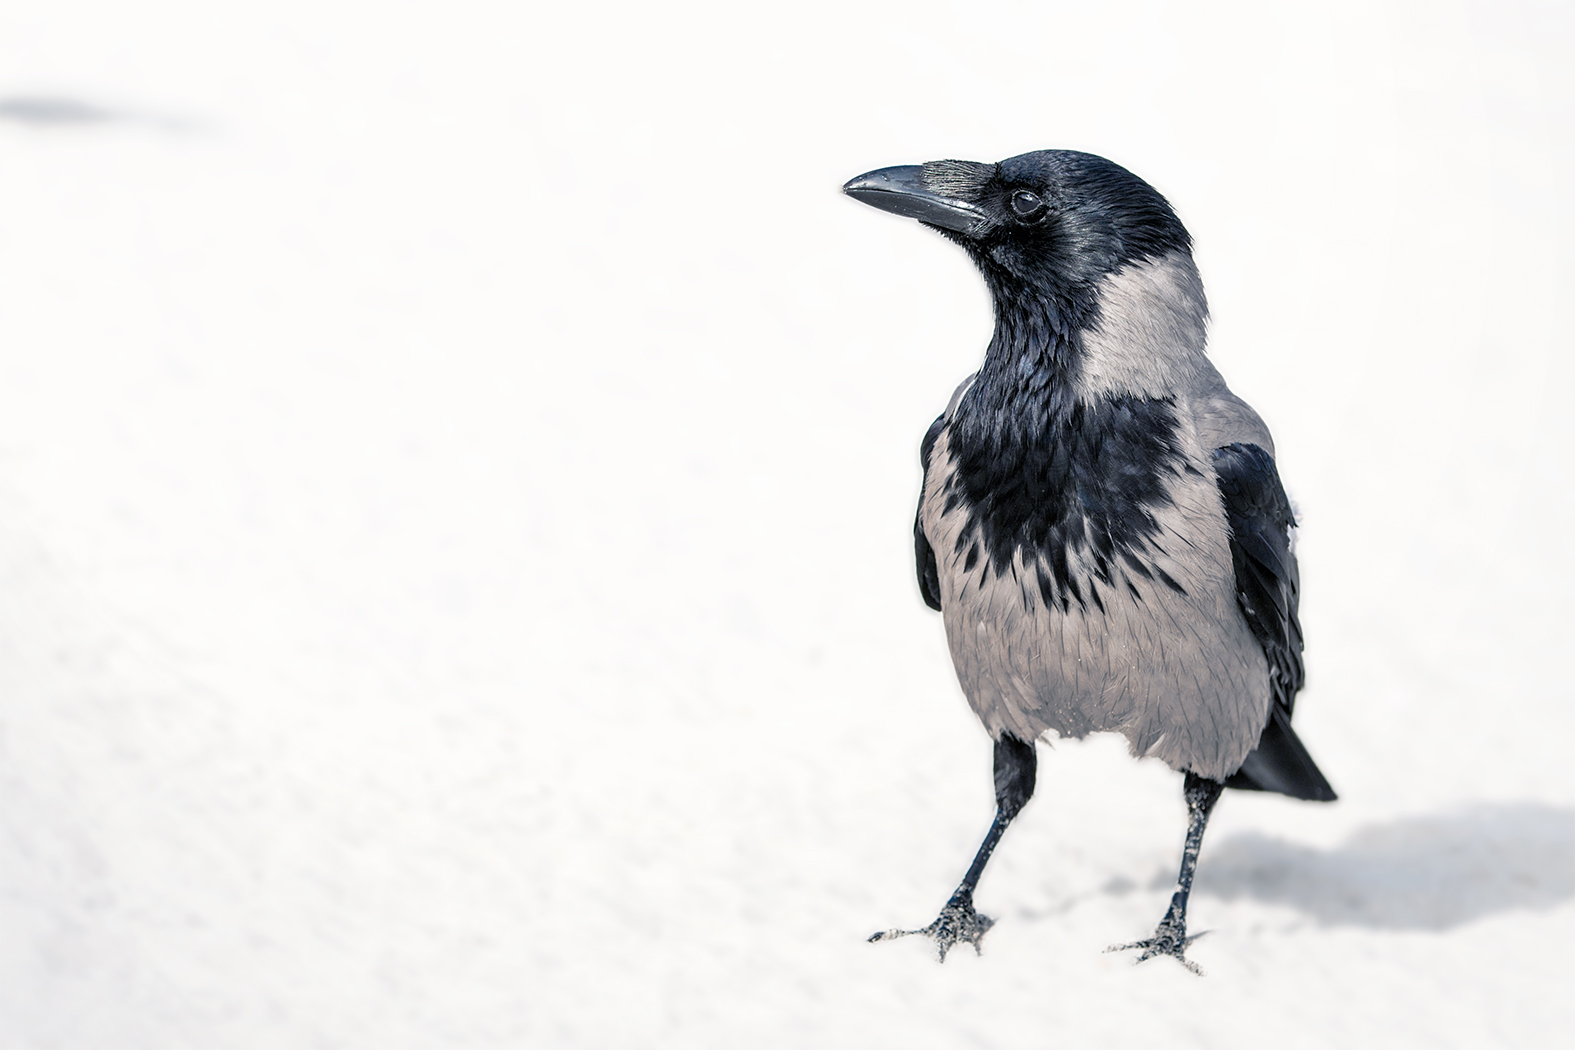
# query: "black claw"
{"type": "Point", "coordinates": [1167, 940]}
{"type": "Point", "coordinates": [957, 923]}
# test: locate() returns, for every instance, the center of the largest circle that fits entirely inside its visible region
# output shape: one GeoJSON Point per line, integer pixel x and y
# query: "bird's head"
{"type": "Point", "coordinates": [1043, 225]}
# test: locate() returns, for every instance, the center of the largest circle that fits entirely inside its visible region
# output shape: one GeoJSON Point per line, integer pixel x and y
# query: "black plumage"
{"type": "Point", "coordinates": [1267, 587]}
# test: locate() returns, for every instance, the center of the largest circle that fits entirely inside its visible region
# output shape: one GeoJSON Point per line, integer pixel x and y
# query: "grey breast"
{"type": "Point", "coordinates": [1173, 668]}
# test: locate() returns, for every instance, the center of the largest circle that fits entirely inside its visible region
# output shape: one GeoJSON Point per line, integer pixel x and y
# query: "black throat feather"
{"type": "Point", "coordinates": [1040, 470]}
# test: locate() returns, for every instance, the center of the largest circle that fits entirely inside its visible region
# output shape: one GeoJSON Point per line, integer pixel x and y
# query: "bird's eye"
{"type": "Point", "coordinates": [1027, 205]}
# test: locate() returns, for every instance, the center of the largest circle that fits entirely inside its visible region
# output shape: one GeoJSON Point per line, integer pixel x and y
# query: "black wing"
{"type": "Point", "coordinates": [924, 554]}
{"type": "Point", "coordinates": [1260, 521]}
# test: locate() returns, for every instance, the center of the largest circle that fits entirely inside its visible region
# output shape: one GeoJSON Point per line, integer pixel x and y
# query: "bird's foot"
{"type": "Point", "coordinates": [1169, 939]}
{"type": "Point", "coordinates": [957, 923]}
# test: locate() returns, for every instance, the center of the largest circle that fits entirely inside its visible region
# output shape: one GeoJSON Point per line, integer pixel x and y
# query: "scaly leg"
{"type": "Point", "coordinates": [1015, 768]}
{"type": "Point", "coordinates": [1171, 936]}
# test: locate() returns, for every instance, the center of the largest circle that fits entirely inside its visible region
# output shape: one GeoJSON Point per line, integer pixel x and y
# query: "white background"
{"type": "Point", "coordinates": [456, 471]}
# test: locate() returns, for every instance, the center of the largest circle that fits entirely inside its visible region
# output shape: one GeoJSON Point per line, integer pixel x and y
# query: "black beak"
{"type": "Point", "coordinates": [901, 191]}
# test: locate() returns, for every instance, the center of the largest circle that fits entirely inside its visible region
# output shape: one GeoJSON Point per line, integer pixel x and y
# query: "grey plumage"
{"type": "Point", "coordinates": [1101, 523]}
{"type": "Point", "coordinates": [1175, 671]}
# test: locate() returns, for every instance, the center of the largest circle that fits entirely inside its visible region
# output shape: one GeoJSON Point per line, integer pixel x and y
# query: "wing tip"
{"type": "Point", "coordinates": [1280, 763]}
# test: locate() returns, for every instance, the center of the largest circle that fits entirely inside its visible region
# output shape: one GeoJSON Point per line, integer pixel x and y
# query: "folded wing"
{"type": "Point", "coordinates": [1260, 519]}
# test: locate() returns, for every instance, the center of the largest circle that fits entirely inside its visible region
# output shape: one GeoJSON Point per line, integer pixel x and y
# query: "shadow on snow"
{"type": "Point", "coordinates": [1421, 873]}
{"type": "Point", "coordinates": [30, 109]}
{"type": "Point", "coordinates": [47, 111]}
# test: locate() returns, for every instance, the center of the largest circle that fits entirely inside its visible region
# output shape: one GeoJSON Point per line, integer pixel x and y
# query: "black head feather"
{"type": "Point", "coordinates": [1056, 221]}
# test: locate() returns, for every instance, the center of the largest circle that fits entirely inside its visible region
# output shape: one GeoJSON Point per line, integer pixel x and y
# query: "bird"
{"type": "Point", "coordinates": [1102, 524]}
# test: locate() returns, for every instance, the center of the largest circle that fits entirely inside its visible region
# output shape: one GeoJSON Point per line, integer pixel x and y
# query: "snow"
{"type": "Point", "coordinates": [456, 468]}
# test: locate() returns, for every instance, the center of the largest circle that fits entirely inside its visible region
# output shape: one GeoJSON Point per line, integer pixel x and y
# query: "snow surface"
{"type": "Point", "coordinates": [456, 466]}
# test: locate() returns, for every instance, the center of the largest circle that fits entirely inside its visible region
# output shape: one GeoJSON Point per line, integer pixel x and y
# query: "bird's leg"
{"type": "Point", "coordinates": [1015, 768]}
{"type": "Point", "coordinates": [1171, 936]}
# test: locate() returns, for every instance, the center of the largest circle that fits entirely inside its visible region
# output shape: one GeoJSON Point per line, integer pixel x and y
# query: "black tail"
{"type": "Point", "coordinates": [1280, 763]}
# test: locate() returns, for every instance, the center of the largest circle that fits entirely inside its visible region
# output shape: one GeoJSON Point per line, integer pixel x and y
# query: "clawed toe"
{"type": "Point", "coordinates": [957, 923]}
{"type": "Point", "coordinates": [1166, 941]}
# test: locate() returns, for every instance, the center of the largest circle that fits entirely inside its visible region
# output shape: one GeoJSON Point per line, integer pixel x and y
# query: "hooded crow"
{"type": "Point", "coordinates": [1102, 526]}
